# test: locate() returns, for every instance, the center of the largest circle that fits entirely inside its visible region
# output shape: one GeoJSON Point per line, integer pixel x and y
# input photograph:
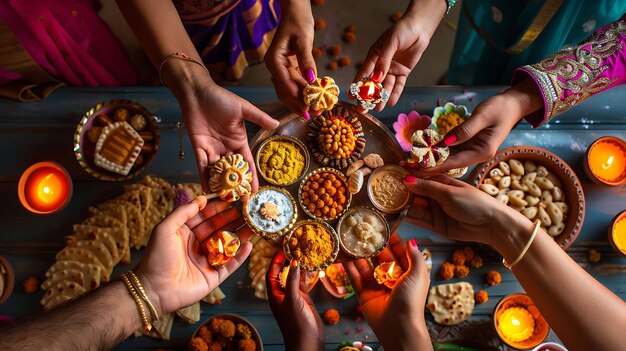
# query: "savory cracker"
{"type": "Point", "coordinates": [162, 328]}
{"type": "Point", "coordinates": [104, 221]}
{"type": "Point", "coordinates": [85, 232]}
{"type": "Point", "coordinates": [84, 255]}
{"type": "Point", "coordinates": [451, 304]}
{"type": "Point", "coordinates": [190, 314]}
{"type": "Point", "coordinates": [72, 275]}
{"type": "Point", "coordinates": [99, 250]}
{"type": "Point", "coordinates": [118, 235]}
{"type": "Point", "coordinates": [63, 288]}
{"type": "Point", "coordinates": [90, 271]}
{"type": "Point", "coordinates": [116, 211]}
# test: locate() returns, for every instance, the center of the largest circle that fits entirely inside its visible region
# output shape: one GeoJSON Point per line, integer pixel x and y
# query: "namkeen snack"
{"type": "Point", "coordinates": [270, 212]}
{"type": "Point", "coordinates": [230, 178]}
{"type": "Point", "coordinates": [118, 148]}
{"type": "Point", "coordinates": [363, 232]}
{"type": "Point", "coordinates": [451, 304]}
{"type": "Point", "coordinates": [336, 140]}
{"type": "Point", "coordinates": [386, 189]}
{"type": "Point", "coordinates": [531, 190]}
{"type": "Point", "coordinates": [324, 194]}
{"type": "Point", "coordinates": [313, 244]}
{"type": "Point", "coordinates": [282, 160]}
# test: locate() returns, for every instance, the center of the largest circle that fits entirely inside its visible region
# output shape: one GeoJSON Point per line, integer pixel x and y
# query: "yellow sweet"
{"type": "Point", "coordinates": [281, 162]}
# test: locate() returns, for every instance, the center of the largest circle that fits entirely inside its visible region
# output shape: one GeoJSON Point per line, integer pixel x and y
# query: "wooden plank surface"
{"type": "Point", "coordinates": [43, 131]}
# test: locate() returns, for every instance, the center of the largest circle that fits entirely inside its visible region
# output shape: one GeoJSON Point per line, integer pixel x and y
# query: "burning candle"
{"type": "Point", "coordinates": [617, 233]}
{"type": "Point", "coordinates": [220, 247]}
{"type": "Point", "coordinates": [605, 161]}
{"type": "Point", "coordinates": [388, 273]}
{"type": "Point", "coordinates": [519, 323]}
{"type": "Point", "coordinates": [44, 188]}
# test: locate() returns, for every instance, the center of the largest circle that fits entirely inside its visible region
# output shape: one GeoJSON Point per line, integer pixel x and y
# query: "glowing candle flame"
{"type": "Point", "coordinates": [390, 270]}
{"type": "Point", "coordinates": [608, 163]}
{"type": "Point", "coordinates": [220, 247]}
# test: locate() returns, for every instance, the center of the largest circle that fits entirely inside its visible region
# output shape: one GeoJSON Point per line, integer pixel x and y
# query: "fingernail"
{"type": "Point", "coordinates": [201, 201]}
{"type": "Point", "coordinates": [310, 75]}
{"type": "Point", "coordinates": [293, 263]}
{"type": "Point", "coordinates": [409, 178]}
{"type": "Point", "coordinates": [449, 139]}
{"type": "Point", "coordinates": [413, 242]}
{"type": "Point", "coordinates": [306, 115]}
{"type": "Point", "coordinates": [377, 76]}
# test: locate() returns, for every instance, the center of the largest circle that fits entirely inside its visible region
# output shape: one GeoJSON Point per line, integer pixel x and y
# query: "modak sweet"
{"type": "Point", "coordinates": [322, 94]}
{"type": "Point", "coordinates": [428, 150]}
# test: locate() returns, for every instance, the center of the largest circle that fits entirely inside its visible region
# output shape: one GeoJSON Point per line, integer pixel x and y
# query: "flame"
{"type": "Point", "coordinates": [371, 89]}
{"type": "Point", "coordinates": [220, 246]}
{"type": "Point", "coordinates": [390, 270]}
{"type": "Point", "coordinates": [608, 163]}
{"type": "Point", "coordinates": [322, 274]}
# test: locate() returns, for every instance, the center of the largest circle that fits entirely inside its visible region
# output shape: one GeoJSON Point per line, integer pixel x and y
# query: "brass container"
{"type": "Point", "coordinates": [298, 143]}
{"type": "Point", "coordinates": [351, 211]}
{"type": "Point", "coordinates": [335, 242]}
{"type": "Point", "coordinates": [341, 177]}
{"type": "Point", "coordinates": [268, 234]}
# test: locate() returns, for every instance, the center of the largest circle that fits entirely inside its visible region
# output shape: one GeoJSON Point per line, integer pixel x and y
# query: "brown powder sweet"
{"type": "Point", "coordinates": [311, 245]}
{"type": "Point", "coordinates": [388, 190]}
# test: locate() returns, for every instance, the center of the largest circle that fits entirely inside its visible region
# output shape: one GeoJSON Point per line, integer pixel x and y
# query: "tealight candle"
{"type": "Point", "coordinates": [617, 233]}
{"type": "Point", "coordinates": [518, 323]}
{"type": "Point", "coordinates": [44, 188]}
{"type": "Point", "coordinates": [220, 247]}
{"type": "Point", "coordinates": [388, 273]}
{"type": "Point", "coordinates": [605, 161]}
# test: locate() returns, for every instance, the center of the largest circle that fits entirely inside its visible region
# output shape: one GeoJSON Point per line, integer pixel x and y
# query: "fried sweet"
{"type": "Point", "coordinates": [427, 149]}
{"type": "Point", "coordinates": [230, 178]}
{"type": "Point", "coordinates": [322, 94]}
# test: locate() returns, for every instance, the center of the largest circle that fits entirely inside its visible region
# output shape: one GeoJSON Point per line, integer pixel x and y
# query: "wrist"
{"type": "Point", "coordinates": [524, 98]}
{"type": "Point", "coordinates": [184, 77]}
{"type": "Point", "coordinates": [153, 293]}
{"type": "Point", "coordinates": [411, 335]}
{"type": "Point", "coordinates": [429, 13]}
{"type": "Point", "coordinates": [513, 231]}
{"type": "Point", "coordinates": [295, 341]}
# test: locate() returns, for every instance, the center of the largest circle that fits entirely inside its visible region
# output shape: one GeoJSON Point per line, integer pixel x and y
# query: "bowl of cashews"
{"type": "Point", "coordinates": [539, 185]}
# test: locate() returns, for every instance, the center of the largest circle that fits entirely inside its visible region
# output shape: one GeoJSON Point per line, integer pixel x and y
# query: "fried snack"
{"type": "Point", "coordinates": [493, 278]}
{"type": "Point", "coordinates": [243, 331]}
{"type": "Point", "coordinates": [344, 61]}
{"type": "Point", "coordinates": [30, 284]}
{"type": "Point", "coordinates": [198, 344]}
{"type": "Point", "coordinates": [476, 261]}
{"type": "Point", "coordinates": [469, 253]}
{"type": "Point", "coordinates": [458, 257]}
{"type": "Point", "coordinates": [332, 65]}
{"type": "Point", "coordinates": [246, 345]}
{"type": "Point", "coordinates": [348, 37]}
{"type": "Point", "coordinates": [319, 24]}
{"type": "Point", "coordinates": [325, 195]}
{"type": "Point", "coordinates": [447, 271]}
{"type": "Point", "coordinates": [317, 53]}
{"type": "Point", "coordinates": [481, 297]}
{"type": "Point", "coordinates": [230, 178]}
{"type": "Point", "coordinates": [205, 334]}
{"type": "Point", "coordinates": [117, 148]}
{"type": "Point", "coordinates": [461, 271]}
{"type": "Point", "coordinates": [322, 94]}
{"type": "Point", "coordinates": [331, 316]}
{"type": "Point", "coordinates": [451, 304]}
{"type": "Point", "coordinates": [427, 149]}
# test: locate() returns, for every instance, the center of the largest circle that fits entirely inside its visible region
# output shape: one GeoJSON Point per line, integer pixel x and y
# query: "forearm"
{"type": "Point", "coordinates": [584, 314]}
{"type": "Point", "coordinates": [411, 336]}
{"type": "Point", "coordinates": [161, 33]}
{"type": "Point", "coordinates": [427, 13]}
{"type": "Point", "coordinates": [98, 320]}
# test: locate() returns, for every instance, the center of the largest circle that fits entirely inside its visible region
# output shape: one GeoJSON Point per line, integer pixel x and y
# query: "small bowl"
{"type": "Point", "coordinates": [620, 217]}
{"type": "Point", "coordinates": [84, 148]}
{"type": "Point", "coordinates": [570, 184]}
{"type": "Point", "coordinates": [8, 280]}
{"type": "Point", "coordinates": [335, 243]}
{"type": "Point", "coordinates": [237, 319]}
{"type": "Point", "coordinates": [373, 212]}
{"type": "Point", "coordinates": [394, 169]}
{"type": "Point", "coordinates": [341, 177]}
{"type": "Point", "coordinates": [286, 138]}
{"type": "Point", "coordinates": [542, 329]}
{"type": "Point", "coordinates": [270, 234]}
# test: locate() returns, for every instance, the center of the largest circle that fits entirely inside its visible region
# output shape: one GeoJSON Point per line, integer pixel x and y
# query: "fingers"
{"type": "Point", "coordinates": [211, 225]}
{"type": "Point", "coordinates": [303, 48]}
{"type": "Point", "coordinates": [258, 117]}
{"type": "Point", "coordinates": [247, 155]}
{"type": "Point", "coordinates": [388, 84]}
{"type": "Point", "coordinates": [417, 269]}
{"type": "Point", "coordinates": [234, 263]}
{"type": "Point", "coordinates": [212, 208]}
{"type": "Point", "coordinates": [438, 188]}
{"type": "Point", "coordinates": [184, 213]}
{"type": "Point", "coordinates": [397, 90]}
{"type": "Point", "coordinates": [465, 131]}
{"type": "Point", "coordinates": [202, 163]}
{"type": "Point", "coordinates": [293, 281]}
{"type": "Point", "coordinates": [397, 246]}
{"type": "Point", "coordinates": [360, 273]}
{"type": "Point", "coordinates": [271, 277]}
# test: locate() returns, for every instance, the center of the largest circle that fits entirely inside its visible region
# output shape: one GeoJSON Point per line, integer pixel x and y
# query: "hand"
{"type": "Point", "coordinates": [479, 138]}
{"type": "Point", "coordinates": [214, 117]}
{"type": "Point", "coordinates": [396, 316]}
{"type": "Point", "coordinates": [396, 52]}
{"type": "Point", "coordinates": [289, 55]}
{"type": "Point", "coordinates": [174, 271]}
{"type": "Point", "coordinates": [459, 211]}
{"type": "Point", "coordinates": [299, 322]}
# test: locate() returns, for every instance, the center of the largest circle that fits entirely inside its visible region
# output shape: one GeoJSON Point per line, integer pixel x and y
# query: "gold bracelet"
{"type": "Point", "coordinates": [180, 56]}
{"type": "Point", "coordinates": [146, 324]}
{"type": "Point", "coordinates": [137, 285]}
{"type": "Point", "coordinates": [530, 242]}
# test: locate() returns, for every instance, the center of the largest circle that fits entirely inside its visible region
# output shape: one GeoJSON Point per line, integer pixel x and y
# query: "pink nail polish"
{"type": "Point", "coordinates": [409, 178]}
{"type": "Point", "coordinates": [449, 139]}
{"type": "Point", "coordinates": [377, 76]}
{"type": "Point", "coordinates": [413, 242]}
{"type": "Point", "coordinates": [306, 115]}
{"type": "Point", "coordinates": [310, 75]}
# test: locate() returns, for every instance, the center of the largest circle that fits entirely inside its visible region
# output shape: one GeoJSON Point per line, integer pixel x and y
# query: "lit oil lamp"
{"type": "Point", "coordinates": [617, 233]}
{"type": "Point", "coordinates": [519, 323]}
{"type": "Point", "coordinates": [388, 273]}
{"type": "Point", "coordinates": [220, 248]}
{"type": "Point", "coordinates": [605, 161]}
{"type": "Point", "coordinates": [44, 188]}
{"type": "Point", "coordinates": [369, 93]}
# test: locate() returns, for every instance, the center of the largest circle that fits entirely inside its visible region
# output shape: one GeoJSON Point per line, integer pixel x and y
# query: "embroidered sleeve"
{"type": "Point", "coordinates": [575, 73]}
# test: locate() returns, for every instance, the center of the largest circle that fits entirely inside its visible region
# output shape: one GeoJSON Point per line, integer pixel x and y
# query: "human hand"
{"type": "Point", "coordinates": [174, 271]}
{"type": "Point", "coordinates": [290, 55]}
{"type": "Point", "coordinates": [396, 52]}
{"type": "Point", "coordinates": [478, 139]}
{"type": "Point", "coordinates": [215, 122]}
{"type": "Point", "coordinates": [299, 322]}
{"type": "Point", "coordinates": [396, 316]}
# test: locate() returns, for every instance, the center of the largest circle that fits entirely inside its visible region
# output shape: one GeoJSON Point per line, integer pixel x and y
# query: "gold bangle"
{"type": "Point", "coordinates": [530, 242]}
{"type": "Point", "coordinates": [146, 324]}
{"type": "Point", "coordinates": [180, 56]}
{"type": "Point", "coordinates": [137, 285]}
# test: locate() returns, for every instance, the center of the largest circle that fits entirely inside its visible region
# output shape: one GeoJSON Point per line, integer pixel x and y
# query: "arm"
{"type": "Point", "coordinates": [96, 321]}
{"type": "Point", "coordinates": [213, 116]}
{"type": "Point", "coordinates": [583, 313]}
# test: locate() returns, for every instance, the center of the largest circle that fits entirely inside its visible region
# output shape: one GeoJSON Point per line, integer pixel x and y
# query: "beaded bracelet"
{"type": "Point", "coordinates": [142, 293]}
{"type": "Point", "coordinates": [530, 242]}
{"type": "Point", "coordinates": [180, 56]}
{"type": "Point", "coordinates": [450, 5]}
{"type": "Point", "coordinates": [147, 326]}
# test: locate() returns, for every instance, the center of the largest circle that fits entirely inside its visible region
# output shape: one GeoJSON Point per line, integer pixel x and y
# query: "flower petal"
{"type": "Point", "coordinates": [397, 127]}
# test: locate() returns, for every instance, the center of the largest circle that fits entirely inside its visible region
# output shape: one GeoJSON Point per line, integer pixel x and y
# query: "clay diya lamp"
{"type": "Point", "coordinates": [388, 273]}
{"type": "Point", "coordinates": [518, 322]}
{"type": "Point", "coordinates": [220, 248]}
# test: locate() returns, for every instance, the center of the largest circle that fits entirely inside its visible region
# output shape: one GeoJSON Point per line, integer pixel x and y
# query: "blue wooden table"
{"type": "Point", "coordinates": [43, 131]}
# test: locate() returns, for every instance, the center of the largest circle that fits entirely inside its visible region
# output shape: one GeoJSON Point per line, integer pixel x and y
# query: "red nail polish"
{"type": "Point", "coordinates": [293, 263]}
{"type": "Point", "coordinates": [449, 139]}
{"type": "Point", "coordinates": [310, 75]}
{"type": "Point", "coordinates": [377, 76]}
{"type": "Point", "coordinates": [409, 178]}
{"type": "Point", "coordinates": [413, 242]}
{"type": "Point", "coordinates": [306, 115]}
